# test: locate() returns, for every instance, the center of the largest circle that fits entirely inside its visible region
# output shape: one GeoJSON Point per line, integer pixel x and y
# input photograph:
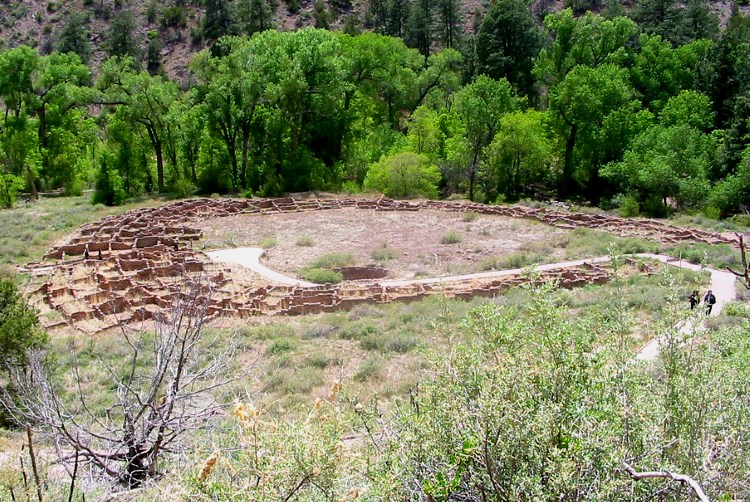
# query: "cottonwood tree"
{"type": "Point", "coordinates": [161, 392]}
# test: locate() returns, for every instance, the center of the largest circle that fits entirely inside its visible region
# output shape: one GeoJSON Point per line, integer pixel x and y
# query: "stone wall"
{"type": "Point", "coordinates": [139, 262]}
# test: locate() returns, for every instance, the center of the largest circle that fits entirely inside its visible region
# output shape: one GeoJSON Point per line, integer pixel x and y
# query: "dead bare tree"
{"type": "Point", "coordinates": [745, 274]}
{"type": "Point", "coordinates": [162, 391]}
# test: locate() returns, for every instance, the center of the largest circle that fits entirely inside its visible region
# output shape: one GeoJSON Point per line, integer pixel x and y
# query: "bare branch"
{"type": "Point", "coordinates": [682, 478]}
{"type": "Point", "coordinates": [164, 393]}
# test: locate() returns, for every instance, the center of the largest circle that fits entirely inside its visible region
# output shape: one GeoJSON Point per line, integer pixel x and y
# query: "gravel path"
{"type": "Point", "coordinates": [722, 283]}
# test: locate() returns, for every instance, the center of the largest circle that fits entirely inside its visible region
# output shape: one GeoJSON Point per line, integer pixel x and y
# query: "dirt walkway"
{"type": "Point", "coordinates": [722, 283]}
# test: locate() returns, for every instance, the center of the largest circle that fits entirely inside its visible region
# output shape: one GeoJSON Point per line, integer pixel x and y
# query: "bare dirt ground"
{"type": "Point", "coordinates": [413, 239]}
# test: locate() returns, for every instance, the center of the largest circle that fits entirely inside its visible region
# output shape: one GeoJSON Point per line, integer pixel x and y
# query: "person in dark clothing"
{"type": "Point", "coordinates": [708, 301]}
{"type": "Point", "coordinates": [694, 299]}
{"type": "Point", "coordinates": [86, 253]}
{"type": "Point", "coordinates": [100, 254]}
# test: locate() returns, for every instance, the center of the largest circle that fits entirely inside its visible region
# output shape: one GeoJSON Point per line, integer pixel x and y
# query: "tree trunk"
{"type": "Point", "coordinates": [245, 148]}
{"type": "Point", "coordinates": [159, 165]}
{"type": "Point", "coordinates": [567, 174]}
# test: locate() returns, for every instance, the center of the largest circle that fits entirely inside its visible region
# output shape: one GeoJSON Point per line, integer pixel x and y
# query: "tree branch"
{"type": "Point", "coordinates": [682, 478]}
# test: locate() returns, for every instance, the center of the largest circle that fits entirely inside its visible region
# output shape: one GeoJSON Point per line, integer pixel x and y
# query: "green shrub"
{"type": "Point", "coordinates": [469, 216]}
{"type": "Point", "coordinates": [182, 188]}
{"type": "Point", "coordinates": [369, 369]}
{"type": "Point", "coordinates": [404, 174]}
{"type": "Point", "coordinates": [322, 276]}
{"type": "Point", "coordinates": [74, 188]}
{"type": "Point", "coordinates": [629, 207]}
{"type": "Point", "coordinates": [279, 346]}
{"type": "Point", "coordinates": [10, 185]}
{"type": "Point", "coordinates": [451, 237]}
{"type": "Point", "coordinates": [737, 310]}
{"type": "Point", "coordinates": [712, 212]}
{"type": "Point", "coordinates": [110, 189]}
{"type": "Point", "coordinates": [383, 253]}
{"type": "Point", "coordinates": [268, 242]}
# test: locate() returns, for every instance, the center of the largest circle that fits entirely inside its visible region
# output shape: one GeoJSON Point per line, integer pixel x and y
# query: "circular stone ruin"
{"type": "Point", "coordinates": [139, 263]}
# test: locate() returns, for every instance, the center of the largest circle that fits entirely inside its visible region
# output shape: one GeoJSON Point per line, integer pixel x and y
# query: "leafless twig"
{"type": "Point", "coordinates": [693, 484]}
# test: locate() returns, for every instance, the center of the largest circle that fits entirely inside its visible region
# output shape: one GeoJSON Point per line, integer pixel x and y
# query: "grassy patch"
{"type": "Point", "coordinates": [29, 230]}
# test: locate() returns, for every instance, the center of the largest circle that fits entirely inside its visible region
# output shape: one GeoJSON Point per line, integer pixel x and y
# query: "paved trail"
{"type": "Point", "coordinates": [722, 283]}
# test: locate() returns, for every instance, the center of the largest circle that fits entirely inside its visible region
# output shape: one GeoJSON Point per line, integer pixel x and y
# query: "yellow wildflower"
{"type": "Point", "coordinates": [333, 392]}
{"type": "Point", "coordinates": [208, 466]}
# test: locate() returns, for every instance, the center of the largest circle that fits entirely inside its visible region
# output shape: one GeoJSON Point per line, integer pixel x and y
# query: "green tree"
{"type": "Point", "coordinates": [255, 15]}
{"type": "Point", "coordinates": [732, 194]}
{"type": "Point", "coordinates": [519, 155]}
{"type": "Point", "coordinates": [398, 16]}
{"type": "Point", "coordinates": [419, 32]}
{"type": "Point", "coordinates": [424, 133]}
{"type": "Point", "coordinates": [507, 43]}
{"type": "Point", "coordinates": [145, 102]}
{"type": "Point", "coordinates": [660, 71]}
{"type": "Point", "coordinates": [449, 23]}
{"type": "Point", "coordinates": [121, 39]}
{"type": "Point", "coordinates": [404, 174]}
{"type": "Point", "coordinates": [218, 21]}
{"type": "Point", "coordinates": [74, 37]}
{"type": "Point", "coordinates": [110, 189]}
{"type": "Point", "coordinates": [480, 105]}
{"type": "Point", "coordinates": [43, 94]}
{"type": "Point", "coordinates": [671, 159]}
{"type": "Point", "coordinates": [590, 40]}
{"type": "Point", "coordinates": [579, 107]}
{"type": "Point", "coordinates": [666, 162]}
{"type": "Point", "coordinates": [19, 327]}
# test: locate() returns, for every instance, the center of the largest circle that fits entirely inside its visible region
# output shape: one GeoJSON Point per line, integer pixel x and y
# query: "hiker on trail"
{"type": "Point", "coordinates": [100, 254]}
{"type": "Point", "coordinates": [709, 301]}
{"type": "Point", "coordinates": [86, 253]}
{"type": "Point", "coordinates": [694, 299]}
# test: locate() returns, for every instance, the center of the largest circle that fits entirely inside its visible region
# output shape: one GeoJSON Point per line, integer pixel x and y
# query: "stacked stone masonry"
{"type": "Point", "coordinates": [139, 263]}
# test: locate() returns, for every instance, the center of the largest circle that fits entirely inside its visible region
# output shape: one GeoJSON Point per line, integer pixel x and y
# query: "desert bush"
{"type": "Point", "coordinates": [305, 241]}
{"type": "Point", "coordinates": [279, 346]}
{"type": "Point", "coordinates": [469, 216]}
{"type": "Point", "coordinates": [558, 421]}
{"type": "Point", "coordinates": [322, 276]}
{"type": "Point", "coordinates": [333, 260]}
{"type": "Point", "coordinates": [268, 242]}
{"type": "Point", "coordinates": [451, 237]}
{"type": "Point", "coordinates": [370, 368]}
{"type": "Point", "coordinates": [399, 343]}
{"type": "Point", "coordinates": [383, 253]}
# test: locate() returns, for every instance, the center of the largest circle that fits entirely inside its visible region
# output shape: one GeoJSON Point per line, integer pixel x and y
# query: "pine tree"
{"type": "Point", "coordinates": [74, 37]}
{"type": "Point", "coordinates": [450, 23]}
{"type": "Point", "coordinates": [419, 29]}
{"type": "Point", "coordinates": [218, 20]}
{"type": "Point", "coordinates": [121, 39]}
{"type": "Point", "coordinates": [255, 15]}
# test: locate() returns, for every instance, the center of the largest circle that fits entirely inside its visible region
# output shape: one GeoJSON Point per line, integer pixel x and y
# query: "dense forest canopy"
{"type": "Point", "coordinates": [647, 109]}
